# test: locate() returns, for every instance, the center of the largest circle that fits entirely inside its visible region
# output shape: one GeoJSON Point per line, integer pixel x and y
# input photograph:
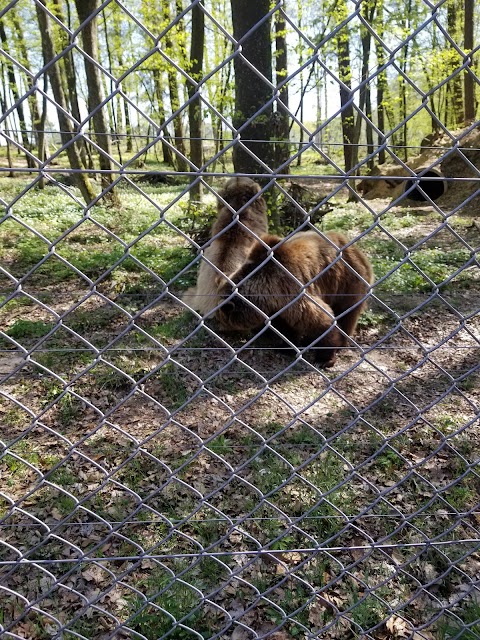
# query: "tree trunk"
{"type": "Point", "coordinates": [3, 107]}
{"type": "Point", "coordinates": [345, 75]}
{"type": "Point", "coordinates": [455, 89]}
{"type": "Point", "coordinates": [126, 112]}
{"type": "Point", "coordinates": [195, 106]}
{"type": "Point", "coordinates": [85, 9]}
{"type": "Point", "coordinates": [81, 180]}
{"type": "Point", "coordinates": [468, 79]}
{"type": "Point", "coordinates": [252, 92]}
{"type": "Point", "coordinates": [178, 128]}
{"type": "Point", "coordinates": [68, 77]}
{"type": "Point", "coordinates": [365, 101]}
{"type": "Point", "coordinates": [42, 136]}
{"type": "Point", "coordinates": [282, 121]}
{"type": "Point", "coordinates": [381, 83]}
{"type": "Point", "coordinates": [32, 100]}
{"type": "Point", "coordinates": [114, 105]}
{"type": "Point", "coordinates": [168, 157]}
{"type": "Point", "coordinates": [16, 96]}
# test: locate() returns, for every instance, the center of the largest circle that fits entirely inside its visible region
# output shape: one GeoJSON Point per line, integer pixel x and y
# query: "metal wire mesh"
{"type": "Point", "coordinates": [162, 479]}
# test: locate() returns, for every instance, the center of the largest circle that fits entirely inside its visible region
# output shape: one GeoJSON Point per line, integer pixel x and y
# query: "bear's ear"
{"type": "Point", "coordinates": [219, 280]}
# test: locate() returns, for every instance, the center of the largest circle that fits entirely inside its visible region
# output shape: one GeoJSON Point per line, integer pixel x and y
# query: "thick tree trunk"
{"type": "Point", "coordinates": [252, 92]}
{"type": "Point", "coordinates": [195, 106]}
{"type": "Point", "coordinates": [81, 180]}
{"type": "Point", "coordinates": [85, 9]}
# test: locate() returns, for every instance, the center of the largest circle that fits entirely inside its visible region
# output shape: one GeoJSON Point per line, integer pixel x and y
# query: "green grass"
{"type": "Point", "coordinates": [88, 247]}
{"type": "Point", "coordinates": [462, 623]}
{"type": "Point", "coordinates": [174, 328]}
{"type": "Point", "coordinates": [29, 329]}
{"type": "Point", "coordinates": [175, 601]}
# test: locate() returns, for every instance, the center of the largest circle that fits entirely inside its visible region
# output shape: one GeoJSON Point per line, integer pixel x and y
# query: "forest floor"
{"type": "Point", "coordinates": [132, 429]}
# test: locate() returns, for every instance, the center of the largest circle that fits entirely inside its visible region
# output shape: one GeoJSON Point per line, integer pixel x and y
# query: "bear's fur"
{"type": "Point", "coordinates": [228, 249]}
{"type": "Point", "coordinates": [306, 282]}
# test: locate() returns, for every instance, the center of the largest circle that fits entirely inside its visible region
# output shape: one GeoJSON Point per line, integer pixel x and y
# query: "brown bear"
{"type": "Point", "coordinates": [313, 288]}
{"type": "Point", "coordinates": [235, 230]}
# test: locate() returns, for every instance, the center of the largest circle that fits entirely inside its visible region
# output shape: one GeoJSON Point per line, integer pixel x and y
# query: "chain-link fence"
{"type": "Point", "coordinates": [163, 477]}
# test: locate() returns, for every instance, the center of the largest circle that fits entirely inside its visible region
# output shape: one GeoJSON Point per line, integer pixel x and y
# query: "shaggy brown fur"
{"type": "Point", "coordinates": [227, 251]}
{"type": "Point", "coordinates": [337, 289]}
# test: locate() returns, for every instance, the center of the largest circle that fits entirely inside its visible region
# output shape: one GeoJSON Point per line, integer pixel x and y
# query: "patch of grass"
{"type": "Point", "coordinates": [172, 387]}
{"type": "Point", "coordinates": [221, 445]}
{"type": "Point", "coordinates": [366, 613]}
{"type": "Point", "coordinates": [65, 504]}
{"type": "Point", "coordinates": [470, 382]}
{"type": "Point", "coordinates": [14, 465]}
{"type": "Point", "coordinates": [370, 319]}
{"type": "Point", "coordinates": [447, 424]}
{"type": "Point", "coordinates": [174, 328]}
{"type": "Point", "coordinates": [303, 435]}
{"type": "Point", "coordinates": [437, 264]}
{"type": "Point", "coordinates": [29, 329]}
{"type": "Point", "coordinates": [462, 497]}
{"type": "Point", "coordinates": [69, 410]}
{"type": "Point", "coordinates": [461, 624]}
{"type": "Point", "coordinates": [63, 477]}
{"type": "Point", "coordinates": [15, 417]}
{"type": "Point", "coordinates": [17, 302]}
{"type": "Point", "coordinates": [346, 218]}
{"type": "Point", "coordinates": [108, 379]}
{"type": "Point", "coordinates": [388, 461]}
{"type": "Point", "coordinates": [171, 601]}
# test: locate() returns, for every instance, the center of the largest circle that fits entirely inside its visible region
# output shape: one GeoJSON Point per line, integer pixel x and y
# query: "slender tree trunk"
{"type": "Point", "coordinates": [3, 107]}
{"type": "Point", "coordinates": [300, 63]}
{"type": "Point", "coordinates": [468, 79]}
{"type": "Point", "coordinates": [168, 157]}
{"type": "Point", "coordinates": [81, 180]}
{"type": "Point", "coordinates": [128, 126]}
{"type": "Point", "coordinates": [345, 75]}
{"type": "Point", "coordinates": [365, 101]}
{"type": "Point", "coordinates": [68, 77]}
{"type": "Point", "coordinates": [126, 112]}
{"type": "Point", "coordinates": [85, 9]}
{"type": "Point", "coordinates": [381, 83]}
{"type": "Point", "coordinates": [178, 128]}
{"type": "Point", "coordinates": [282, 149]}
{"type": "Point", "coordinates": [32, 100]}
{"type": "Point", "coordinates": [113, 104]}
{"type": "Point", "coordinates": [12, 81]}
{"type": "Point", "coordinates": [252, 92]}
{"type": "Point", "coordinates": [42, 136]}
{"type": "Point", "coordinates": [195, 106]}
{"type": "Point", "coordinates": [420, 58]}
